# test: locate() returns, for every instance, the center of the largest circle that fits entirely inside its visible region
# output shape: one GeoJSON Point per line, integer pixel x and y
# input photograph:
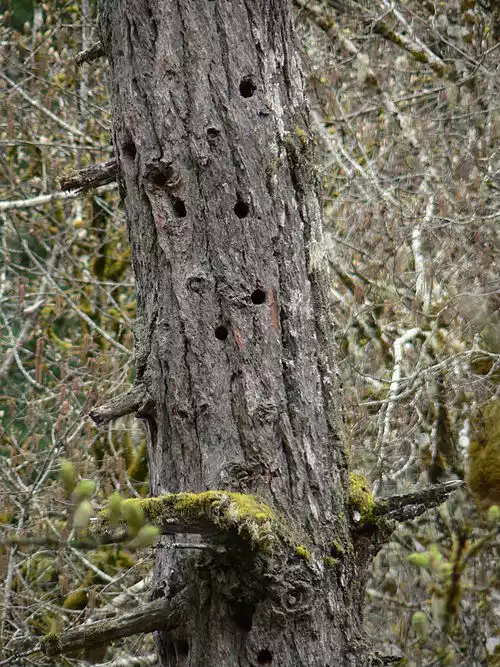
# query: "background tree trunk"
{"type": "Point", "coordinates": [233, 338]}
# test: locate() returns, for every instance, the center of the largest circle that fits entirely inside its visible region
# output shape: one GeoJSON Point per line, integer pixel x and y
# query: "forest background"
{"type": "Point", "coordinates": [405, 104]}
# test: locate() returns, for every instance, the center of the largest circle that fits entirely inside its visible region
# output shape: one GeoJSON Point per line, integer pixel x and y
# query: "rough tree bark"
{"type": "Point", "coordinates": [233, 340]}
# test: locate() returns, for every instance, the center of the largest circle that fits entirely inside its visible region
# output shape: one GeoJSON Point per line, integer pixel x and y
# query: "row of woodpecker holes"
{"type": "Point", "coordinates": [247, 88]}
{"type": "Point", "coordinates": [241, 208]}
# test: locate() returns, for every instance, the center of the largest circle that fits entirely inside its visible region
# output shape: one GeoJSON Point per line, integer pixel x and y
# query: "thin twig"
{"type": "Point", "coordinates": [14, 87]}
{"type": "Point", "coordinates": [46, 199]}
{"type": "Point", "coordinates": [73, 305]}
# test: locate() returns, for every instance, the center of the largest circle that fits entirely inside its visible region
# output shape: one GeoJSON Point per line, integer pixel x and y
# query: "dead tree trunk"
{"type": "Point", "coordinates": [233, 340]}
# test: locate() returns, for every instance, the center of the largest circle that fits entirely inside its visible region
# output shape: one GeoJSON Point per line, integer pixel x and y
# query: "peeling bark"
{"type": "Point", "coordinates": [233, 340]}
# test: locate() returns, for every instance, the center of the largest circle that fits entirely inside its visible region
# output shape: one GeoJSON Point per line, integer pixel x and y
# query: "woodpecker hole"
{"type": "Point", "coordinates": [221, 332]}
{"type": "Point", "coordinates": [258, 296]}
{"type": "Point", "coordinates": [241, 209]}
{"type": "Point", "coordinates": [179, 207]}
{"type": "Point", "coordinates": [264, 657]}
{"type": "Point", "coordinates": [129, 150]}
{"type": "Point", "coordinates": [247, 87]}
{"type": "Point", "coordinates": [212, 134]}
{"type": "Point", "coordinates": [181, 648]}
{"type": "Point", "coordinates": [243, 616]}
{"type": "Point", "coordinates": [160, 180]}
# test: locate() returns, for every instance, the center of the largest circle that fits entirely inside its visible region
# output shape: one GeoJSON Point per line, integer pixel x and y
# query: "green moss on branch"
{"type": "Point", "coordinates": [50, 644]}
{"type": "Point", "coordinates": [361, 497]}
{"type": "Point", "coordinates": [209, 511]}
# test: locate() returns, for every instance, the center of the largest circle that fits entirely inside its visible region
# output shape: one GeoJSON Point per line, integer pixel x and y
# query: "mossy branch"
{"type": "Point", "coordinates": [416, 50]}
{"type": "Point", "coordinates": [206, 513]}
{"type": "Point", "coordinates": [164, 614]}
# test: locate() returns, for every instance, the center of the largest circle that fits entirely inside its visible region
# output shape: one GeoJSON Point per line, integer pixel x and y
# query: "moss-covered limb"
{"type": "Point", "coordinates": [418, 51]}
{"type": "Point", "coordinates": [122, 405]}
{"type": "Point", "coordinates": [165, 614]}
{"type": "Point", "coordinates": [407, 506]}
{"type": "Point", "coordinates": [204, 513]}
{"type": "Point", "coordinates": [361, 499]}
{"type": "Point", "coordinates": [367, 509]}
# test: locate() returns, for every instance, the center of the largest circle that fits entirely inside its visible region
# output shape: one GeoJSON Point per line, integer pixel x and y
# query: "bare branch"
{"type": "Point", "coordinates": [90, 177]}
{"type": "Point", "coordinates": [399, 346]}
{"type": "Point", "coordinates": [15, 355]}
{"type": "Point", "coordinates": [31, 315]}
{"type": "Point", "coordinates": [90, 54]}
{"type": "Point", "coordinates": [122, 405]}
{"type": "Point", "coordinates": [73, 305]}
{"type": "Point", "coordinates": [56, 119]}
{"type": "Point", "coordinates": [129, 597]}
{"type": "Point", "coordinates": [406, 506]}
{"type": "Point", "coordinates": [164, 614]}
{"type": "Point", "coordinates": [47, 199]}
{"type": "Point", "coordinates": [414, 47]}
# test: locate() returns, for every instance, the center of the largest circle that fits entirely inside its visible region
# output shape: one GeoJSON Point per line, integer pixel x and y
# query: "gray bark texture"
{"type": "Point", "coordinates": [233, 339]}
